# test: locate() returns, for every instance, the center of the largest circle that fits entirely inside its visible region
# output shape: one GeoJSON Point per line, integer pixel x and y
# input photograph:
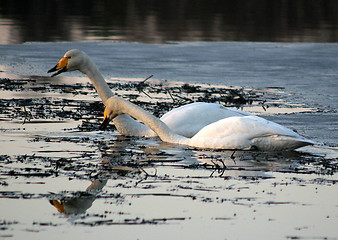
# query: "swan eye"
{"type": "Point", "coordinates": [69, 57]}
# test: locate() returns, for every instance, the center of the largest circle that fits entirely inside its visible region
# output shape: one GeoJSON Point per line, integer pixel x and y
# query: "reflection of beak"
{"type": "Point", "coordinates": [59, 206]}
{"type": "Point", "coordinates": [104, 123]}
{"type": "Point", "coordinates": [61, 66]}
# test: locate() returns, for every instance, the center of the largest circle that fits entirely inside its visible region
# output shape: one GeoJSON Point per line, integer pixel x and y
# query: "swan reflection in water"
{"type": "Point", "coordinates": [163, 156]}
{"type": "Point", "coordinates": [80, 201]}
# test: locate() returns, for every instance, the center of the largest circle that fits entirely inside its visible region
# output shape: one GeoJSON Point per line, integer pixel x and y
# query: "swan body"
{"type": "Point", "coordinates": [238, 132]}
{"type": "Point", "coordinates": [189, 119]}
{"type": "Point", "coordinates": [186, 120]}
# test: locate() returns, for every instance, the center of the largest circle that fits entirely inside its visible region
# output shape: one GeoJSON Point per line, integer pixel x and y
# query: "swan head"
{"type": "Point", "coordinates": [111, 111]}
{"type": "Point", "coordinates": [72, 60]}
{"type": "Point", "coordinates": [107, 117]}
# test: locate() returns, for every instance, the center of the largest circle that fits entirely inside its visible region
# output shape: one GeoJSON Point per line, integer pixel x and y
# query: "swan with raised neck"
{"type": "Point", "coordinates": [186, 120]}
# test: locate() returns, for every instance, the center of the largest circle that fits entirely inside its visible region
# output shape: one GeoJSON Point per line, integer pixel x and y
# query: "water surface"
{"type": "Point", "coordinates": [141, 188]}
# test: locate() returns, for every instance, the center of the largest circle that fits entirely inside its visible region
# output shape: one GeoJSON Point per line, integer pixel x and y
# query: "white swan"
{"type": "Point", "coordinates": [245, 132]}
{"type": "Point", "coordinates": [186, 120]}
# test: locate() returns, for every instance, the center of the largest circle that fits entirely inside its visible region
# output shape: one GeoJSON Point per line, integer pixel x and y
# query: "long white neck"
{"type": "Point", "coordinates": [97, 80]}
{"type": "Point", "coordinates": [124, 123]}
{"type": "Point", "coordinates": [122, 106]}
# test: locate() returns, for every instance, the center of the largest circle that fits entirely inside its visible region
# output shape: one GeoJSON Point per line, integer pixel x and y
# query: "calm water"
{"type": "Point", "coordinates": [162, 21]}
{"type": "Point", "coordinates": [44, 157]}
{"type": "Point", "coordinates": [179, 193]}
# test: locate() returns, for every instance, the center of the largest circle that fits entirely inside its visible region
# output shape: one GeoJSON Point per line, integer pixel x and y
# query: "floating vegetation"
{"type": "Point", "coordinates": [155, 96]}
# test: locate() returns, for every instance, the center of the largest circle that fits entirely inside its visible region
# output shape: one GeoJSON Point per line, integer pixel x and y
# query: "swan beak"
{"type": "Point", "coordinates": [104, 123]}
{"type": "Point", "coordinates": [59, 206]}
{"type": "Point", "coordinates": [61, 66]}
{"type": "Point", "coordinates": [106, 120]}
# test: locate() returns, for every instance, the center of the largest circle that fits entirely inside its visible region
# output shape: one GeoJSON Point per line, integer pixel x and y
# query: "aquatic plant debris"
{"type": "Point", "coordinates": [54, 156]}
{"type": "Point", "coordinates": [157, 97]}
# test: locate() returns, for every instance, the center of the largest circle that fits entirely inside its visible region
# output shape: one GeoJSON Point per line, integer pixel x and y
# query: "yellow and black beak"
{"type": "Point", "coordinates": [61, 66]}
{"type": "Point", "coordinates": [106, 120]}
{"type": "Point", "coordinates": [104, 124]}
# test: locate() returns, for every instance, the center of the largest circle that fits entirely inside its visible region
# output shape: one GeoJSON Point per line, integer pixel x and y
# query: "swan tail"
{"type": "Point", "coordinates": [281, 143]}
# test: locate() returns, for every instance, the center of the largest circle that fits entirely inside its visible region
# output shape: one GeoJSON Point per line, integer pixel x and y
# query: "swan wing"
{"type": "Point", "coordinates": [189, 119]}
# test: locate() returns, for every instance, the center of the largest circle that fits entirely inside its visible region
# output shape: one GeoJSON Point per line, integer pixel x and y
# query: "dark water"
{"type": "Point", "coordinates": [162, 21]}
